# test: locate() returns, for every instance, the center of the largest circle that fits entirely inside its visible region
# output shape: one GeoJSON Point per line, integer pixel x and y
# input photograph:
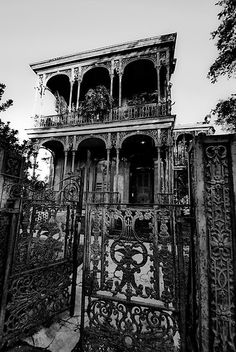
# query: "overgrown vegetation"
{"type": "Point", "coordinates": [97, 103]}
{"type": "Point", "coordinates": [9, 136]}
{"type": "Point", "coordinates": [225, 63]}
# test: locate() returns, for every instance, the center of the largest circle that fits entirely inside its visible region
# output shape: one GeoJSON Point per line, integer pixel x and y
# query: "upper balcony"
{"type": "Point", "coordinates": [124, 113]}
{"type": "Point", "coordinates": [135, 77]}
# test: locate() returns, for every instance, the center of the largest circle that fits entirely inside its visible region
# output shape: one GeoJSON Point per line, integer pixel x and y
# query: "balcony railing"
{"type": "Point", "coordinates": [76, 118]}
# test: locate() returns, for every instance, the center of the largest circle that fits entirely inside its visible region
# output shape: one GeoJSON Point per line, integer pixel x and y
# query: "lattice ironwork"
{"type": "Point", "coordinates": [35, 297]}
{"type": "Point", "coordinates": [43, 235]}
{"type": "Point", "coordinates": [4, 230]}
{"type": "Point", "coordinates": [116, 326]}
{"type": "Point", "coordinates": [129, 299]}
{"type": "Point", "coordinates": [221, 257]}
{"type": "Point", "coordinates": [42, 262]}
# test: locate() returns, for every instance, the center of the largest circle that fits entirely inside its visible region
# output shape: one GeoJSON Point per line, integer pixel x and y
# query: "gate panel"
{"type": "Point", "coordinates": [4, 230]}
{"type": "Point", "coordinates": [129, 295]}
{"type": "Point", "coordinates": [40, 277]}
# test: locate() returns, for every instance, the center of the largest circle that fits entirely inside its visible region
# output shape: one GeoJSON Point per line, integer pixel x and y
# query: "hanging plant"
{"type": "Point", "coordinates": [97, 103]}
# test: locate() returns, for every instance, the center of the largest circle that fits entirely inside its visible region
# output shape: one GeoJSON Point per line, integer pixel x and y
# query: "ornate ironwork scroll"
{"type": "Point", "coordinates": [4, 230]}
{"type": "Point", "coordinates": [128, 299]}
{"type": "Point", "coordinates": [221, 263]}
{"type": "Point", "coordinates": [115, 326]}
{"type": "Point", "coordinates": [36, 296]}
{"type": "Point", "coordinates": [42, 262]}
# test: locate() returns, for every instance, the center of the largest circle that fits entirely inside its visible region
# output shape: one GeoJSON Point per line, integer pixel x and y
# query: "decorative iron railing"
{"type": "Point", "coordinates": [38, 255]}
{"type": "Point", "coordinates": [103, 197]}
{"type": "Point", "coordinates": [77, 118]}
{"type": "Point", "coordinates": [131, 290]}
{"type": "Point", "coordinates": [181, 155]}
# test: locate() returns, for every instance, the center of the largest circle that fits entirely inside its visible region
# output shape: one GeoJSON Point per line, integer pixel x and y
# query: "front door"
{"type": "Point", "coordinates": [141, 187]}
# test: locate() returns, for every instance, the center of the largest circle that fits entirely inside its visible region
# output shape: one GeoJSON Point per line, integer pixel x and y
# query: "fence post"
{"type": "Point", "coordinates": [10, 252]}
{"type": "Point", "coordinates": [76, 240]}
{"type": "Point", "coordinates": [214, 245]}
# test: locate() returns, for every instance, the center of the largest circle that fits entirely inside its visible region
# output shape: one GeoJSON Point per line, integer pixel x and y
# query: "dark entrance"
{"type": "Point", "coordinates": [140, 152]}
{"type": "Point", "coordinates": [141, 185]}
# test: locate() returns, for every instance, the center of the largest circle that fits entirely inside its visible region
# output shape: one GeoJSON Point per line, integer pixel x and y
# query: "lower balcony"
{"type": "Point", "coordinates": [76, 118]}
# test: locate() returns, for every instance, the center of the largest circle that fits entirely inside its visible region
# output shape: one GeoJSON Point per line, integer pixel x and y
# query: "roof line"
{"type": "Point", "coordinates": [98, 51]}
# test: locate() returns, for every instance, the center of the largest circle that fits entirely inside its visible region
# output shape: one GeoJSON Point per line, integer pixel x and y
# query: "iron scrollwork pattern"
{"type": "Point", "coordinates": [4, 230]}
{"type": "Point", "coordinates": [36, 296]}
{"type": "Point", "coordinates": [219, 227]}
{"type": "Point", "coordinates": [39, 283]}
{"type": "Point", "coordinates": [130, 283]}
{"type": "Point", "coordinates": [129, 327]}
{"type": "Point", "coordinates": [43, 236]}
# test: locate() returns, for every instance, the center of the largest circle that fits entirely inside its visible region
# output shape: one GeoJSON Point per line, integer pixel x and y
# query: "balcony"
{"type": "Point", "coordinates": [124, 113]}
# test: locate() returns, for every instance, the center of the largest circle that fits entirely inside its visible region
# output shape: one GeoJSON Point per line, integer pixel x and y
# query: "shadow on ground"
{"type": "Point", "coordinates": [24, 347]}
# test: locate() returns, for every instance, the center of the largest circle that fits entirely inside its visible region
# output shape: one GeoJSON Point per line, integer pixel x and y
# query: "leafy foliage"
{"type": "Point", "coordinates": [225, 63]}
{"type": "Point", "coordinates": [9, 136]}
{"type": "Point", "coordinates": [143, 98]}
{"type": "Point", "coordinates": [225, 111]}
{"type": "Point", "coordinates": [7, 103]}
{"type": "Point", "coordinates": [97, 103]}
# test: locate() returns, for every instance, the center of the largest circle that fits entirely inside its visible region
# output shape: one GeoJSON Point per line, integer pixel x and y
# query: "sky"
{"type": "Point", "coordinates": [33, 30]}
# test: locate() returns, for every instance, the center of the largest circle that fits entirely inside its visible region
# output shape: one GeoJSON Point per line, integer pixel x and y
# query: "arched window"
{"type": "Point", "coordinates": [139, 82]}
{"type": "Point", "coordinates": [97, 76]}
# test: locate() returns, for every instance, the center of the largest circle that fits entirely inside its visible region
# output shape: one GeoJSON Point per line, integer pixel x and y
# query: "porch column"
{"type": "Point", "coordinates": [170, 147]}
{"type": "Point", "coordinates": [111, 86]}
{"type": "Point", "coordinates": [35, 154]}
{"type": "Point", "coordinates": [71, 88]}
{"type": "Point", "coordinates": [120, 88]}
{"type": "Point", "coordinates": [167, 82]}
{"type": "Point", "coordinates": [73, 161]}
{"type": "Point", "coordinates": [156, 180]}
{"type": "Point", "coordinates": [167, 180]}
{"type": "Point", "coordinates": [157, 175]}
{"type": "Point", "coordinates": [36, 100]}
{"type": "Point", "coordinates": [65, 165]}
{"type": "Point", "coordinates": [126, 187]}
{"type": "Point", "coordinates": [87, 172]}
{"type": "Point", "coordinates": [108, 168]}
{"type": "Point", "coordinates": [167, 72]}
{"type": "Point", "coordinates": [111, 93]}
{"type": "Point", "coordinates": [158, 82]}
{"type": "Point", "coordinates": [41, 88]}
{"type": "Point", "coordinates": [117, 167]}
{"type": "Point", "coordinates": [78, 93]}
{"type": "Point", "coordinates": [52, 172]}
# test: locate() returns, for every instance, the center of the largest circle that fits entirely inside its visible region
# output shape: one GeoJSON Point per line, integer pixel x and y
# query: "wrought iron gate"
{"type": "Point", "coordinates": [40, 275]}
{"type": "Point", "coordinates": [133, 292]}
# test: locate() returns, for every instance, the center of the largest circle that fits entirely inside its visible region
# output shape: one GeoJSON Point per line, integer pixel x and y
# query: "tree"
{"type": "Point", "coordinates": [225, 111]}
{"type": "Point", "coordinates": [225, 63]}
{"type": "Point", "coordinates": [8, 103]}
{"type": "Point", "coordinates": [8, 136]}
{"type": "Point", "coordinates": [9, 139]}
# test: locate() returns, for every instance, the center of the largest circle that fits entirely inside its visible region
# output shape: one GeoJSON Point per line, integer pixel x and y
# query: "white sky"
{"type": "Point", "coordinates": [36, 30]}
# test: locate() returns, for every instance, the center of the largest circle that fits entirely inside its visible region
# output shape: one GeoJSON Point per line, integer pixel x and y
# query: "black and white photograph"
{"type": "Point", "coordinates": [118, 176]}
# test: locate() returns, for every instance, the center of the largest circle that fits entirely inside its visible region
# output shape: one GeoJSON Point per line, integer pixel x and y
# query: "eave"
{"type": "Point", "coordinates": [168, 39]}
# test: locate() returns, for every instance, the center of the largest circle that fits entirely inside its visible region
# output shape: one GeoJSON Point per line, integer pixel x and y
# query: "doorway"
{"type": "Point", "coordinates": [141, 185]}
